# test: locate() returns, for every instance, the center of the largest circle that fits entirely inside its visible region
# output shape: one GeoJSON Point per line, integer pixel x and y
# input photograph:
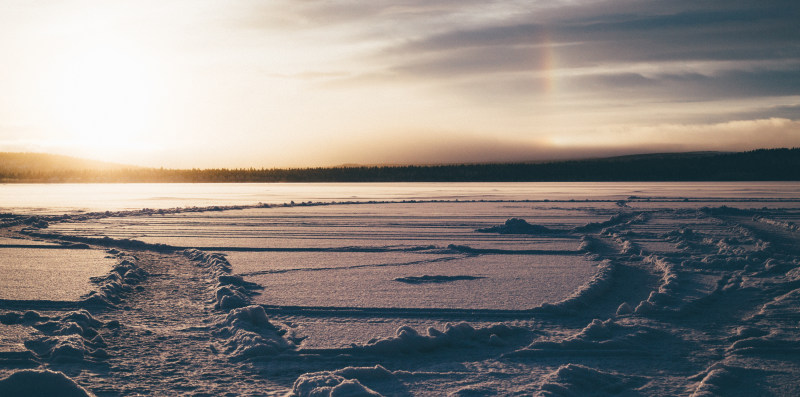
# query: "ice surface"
{"type": "Point", "coordinates": [50, 274]}
{"type": "Point", "coordinates": [66, 198]}
{"type": "Point", "coordinates": [371, 226]}
{"type": "Point", "coordinates": [507, 282]}
{"type": "Point", "coordinates": [20, 242]}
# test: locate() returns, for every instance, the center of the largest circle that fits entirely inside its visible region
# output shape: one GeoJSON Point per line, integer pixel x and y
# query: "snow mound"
{"type": "Point", "coordinates": [120, 280]}
{"type": "Point", "coordinates": [231, 291]}
{"type": "Point", "coordinates": [579, 380]}
{"type": "Point", "coordinates": [326, 384]}
{"type": "Point", "coordinates": [684, 238]}
{"type": "Point", "coordinates": [408, 340]}
{"type": "Point", "coordinates": [517, 226]}
{"type": "Point", "coordinates": [348, 381]}
{"type": "Point", "coordinates": [247, 333]}
{"type": "Point", "coordinates": [599, 338]}
{"type": "Point", "coordinates": [428, 279]}
{"type": "Point", "coordinates": [41, 383]}
{"type": "Point", "coordinates": [586, 294]}
{"type": "Point", "coordinates": [73, 337]}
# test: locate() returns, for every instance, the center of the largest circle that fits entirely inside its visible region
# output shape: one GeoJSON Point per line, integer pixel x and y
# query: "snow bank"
{"type": "Point", "coordinates": [408, 340]}
{"type": "Point", "coordinates": [120, 280]}
{"type": "Point", "coordinates": [231, 291]}
{"type": "Point", "coordinates": [247, 333]}
{"type": "Point", "coordinates": [586, 294]}
{"type": "Point", "coordinates": [41, 383]}
{"type": "Point", "coordinates": [599, 338]}
{"type": "Point", "coordinates": [579, 380]}
{"type": "Point", "coordinates": [517, 226]}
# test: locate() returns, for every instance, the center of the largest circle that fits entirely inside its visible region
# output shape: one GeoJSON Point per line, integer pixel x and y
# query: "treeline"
{"type": "Point", "coordinates": [757, 165]}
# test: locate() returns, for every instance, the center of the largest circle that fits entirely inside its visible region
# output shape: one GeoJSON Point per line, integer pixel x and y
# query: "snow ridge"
{"type": "Point", "coordinates": [407, 340]}
{"type": "Point", "coordinates": [580, 380]}
{"type": "Point", "coordinates": [123, 277]}
{"type": "Point", "coordinates": [231, 291]}
{"type": "Point", "coordinates": [599, 338]}
{"type": "Point", "coordinates": [599, 284]}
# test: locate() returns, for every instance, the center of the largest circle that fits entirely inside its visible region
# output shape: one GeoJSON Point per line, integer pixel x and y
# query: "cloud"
{"type": "Point", "coordinates": [731, 136]}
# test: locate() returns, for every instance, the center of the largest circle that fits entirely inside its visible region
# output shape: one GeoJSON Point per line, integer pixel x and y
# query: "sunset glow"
{"type": "Point", "coordinates": [240, 84]}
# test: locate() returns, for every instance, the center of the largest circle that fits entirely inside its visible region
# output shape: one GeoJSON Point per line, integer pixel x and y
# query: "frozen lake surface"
{"type": "Point", "coordinates": [42, 273]}
{"type": "Point", "coordinates": [604, 289]}
{"type": "Point", "coordinates": [71, 198]}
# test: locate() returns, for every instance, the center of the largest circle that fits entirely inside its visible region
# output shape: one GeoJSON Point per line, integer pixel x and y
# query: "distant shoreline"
{"type": "Point", "coordinates": [756, 165]}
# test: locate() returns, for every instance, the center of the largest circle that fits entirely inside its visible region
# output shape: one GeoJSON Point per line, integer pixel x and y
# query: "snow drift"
{"type": "Point", "coordinates": [41, 383]}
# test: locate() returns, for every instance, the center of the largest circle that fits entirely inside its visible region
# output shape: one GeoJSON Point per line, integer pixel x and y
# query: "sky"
{"type": "Point", "coordinates": [306, 83]}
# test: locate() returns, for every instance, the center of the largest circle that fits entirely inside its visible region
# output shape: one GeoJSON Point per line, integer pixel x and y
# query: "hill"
{"type": "Point", "coordinates": [43, 162]}
{"type": "Point", "coordinates": [756, 165]}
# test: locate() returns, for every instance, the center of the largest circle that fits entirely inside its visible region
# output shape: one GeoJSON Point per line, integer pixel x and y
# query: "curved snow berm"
{"type": "Point", "coordinates": [72, 337]}
{"type": "Point", "coordinates": [231, 291]}
{"type": "Point", "coordinates": [790, 226]}
{"type": "Point", "coordinates": [342, 382]}
{"type": "Point", "coordinates": [122, 278]}
{"type": "Point", "coordinates": [666, 294]}
{"type": "Point", "coordinates": [579, 380]}
{"type": "Point", "coordinates": [99, 241]}
{"type": "Point", "coordinates": [599, 338]}
{"type": "Point", "coordinates": [518, 226]}
{"type": "Point", "coordinates": [41, 383]}
{"type": "Point", "coordinates": [599, 284]}
{"type": "Point", "coordinates": [622, 218]}
{"type": "Point", "coordinates": [408, 340]}
{"type": "Point", "coordinates": [724, 380]}
{"type": "Point", "coordinates": [247, 333]}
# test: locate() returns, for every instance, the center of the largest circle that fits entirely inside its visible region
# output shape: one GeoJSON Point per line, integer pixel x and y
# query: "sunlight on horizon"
{"type": "Point", "coordinates": [102, 97]}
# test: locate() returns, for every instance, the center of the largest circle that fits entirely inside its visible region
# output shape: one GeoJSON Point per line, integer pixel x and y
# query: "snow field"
{"type": "Point", "coordinates": [673, 300]}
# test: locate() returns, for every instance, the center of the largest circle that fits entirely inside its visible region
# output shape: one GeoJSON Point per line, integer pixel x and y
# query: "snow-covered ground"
{"type": "Point", "coordinates": [693, 295]}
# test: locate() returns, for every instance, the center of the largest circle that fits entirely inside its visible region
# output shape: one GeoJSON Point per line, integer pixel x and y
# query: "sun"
{"type": "Point", "coordinates": [101, 96]}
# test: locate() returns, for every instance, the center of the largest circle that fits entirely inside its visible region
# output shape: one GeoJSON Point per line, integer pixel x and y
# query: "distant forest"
{"type": "Point", "coordinates": [756, 165]}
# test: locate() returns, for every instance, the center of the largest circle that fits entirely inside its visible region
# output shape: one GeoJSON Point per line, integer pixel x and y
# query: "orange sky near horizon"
{"type": "Point", "coordinates": [294, 84]}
